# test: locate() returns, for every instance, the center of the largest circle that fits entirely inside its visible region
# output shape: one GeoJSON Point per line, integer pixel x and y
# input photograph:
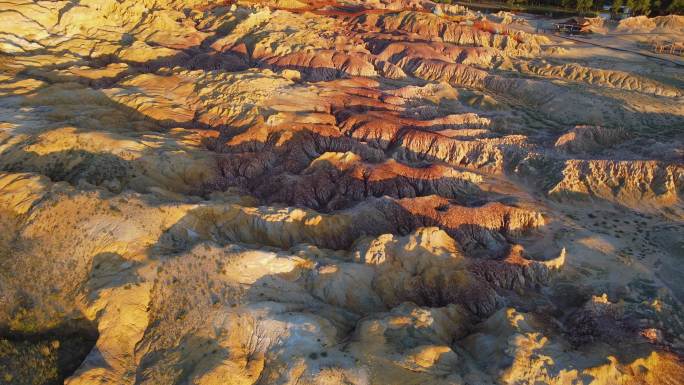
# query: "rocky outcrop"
{"type": "Point", "coordinates": [478, 229]}
{"type": "Point", "coordinates": [599, 318]}
{"type": "Point", "coordinates": [434, 28]}
{"type": "Point", "coordinates": [516, 272]}
{"type": "Point", "coordinates": [411, 339]}
{"type": "Point", "coordinates": [601, 77]}
{"type": "Point", "coordinates": [669, 23]}
{"type": "Point", "coordinates": [518, 337]}
{"type": "Point", "coordinates": [630, 183]}
{"type": "Point", "coordinates": [386, 130]}
{"type": "Point", "coordinates": [489, 154]}
{"type": "Point", "coordinates": [402, 53]}
{"type": "Point", "coordinates": [336, 180]}
{"type": "Point", "coordinates": [426, 267]}
{"type": "Point", "coordinates": [324, 64]}
{"type": "Point", "coordinates": [589, 139]}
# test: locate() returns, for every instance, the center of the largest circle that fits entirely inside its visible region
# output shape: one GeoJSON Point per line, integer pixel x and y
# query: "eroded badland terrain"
{"type": "Point", "coordinates": [319, 192]}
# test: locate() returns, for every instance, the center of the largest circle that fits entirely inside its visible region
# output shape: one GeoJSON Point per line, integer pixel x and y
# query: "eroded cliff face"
{"type": "Point", "coordinates": [321, 192]}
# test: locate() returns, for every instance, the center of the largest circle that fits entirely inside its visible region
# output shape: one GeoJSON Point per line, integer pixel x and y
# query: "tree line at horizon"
{"type": "Point", "coordinates": [637, 7]}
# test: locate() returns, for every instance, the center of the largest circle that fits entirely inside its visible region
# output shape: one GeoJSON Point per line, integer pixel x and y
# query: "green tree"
{"type": "Point", "coordinates": [568, 3]}
{"type": "Point", "coordinates": [676, 7]}
{"type": "Point", "coordinates": [615, 9]}
{"type": "Point", "coordinates": [583, 6]}
{"type": "Point", "coordinates": [513, 3]}
{"type": "Point", "coordinates": [639, 7]}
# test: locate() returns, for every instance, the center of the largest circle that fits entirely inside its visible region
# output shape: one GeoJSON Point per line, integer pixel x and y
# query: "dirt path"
{"type": "Point", "coordinates": [670, 59]}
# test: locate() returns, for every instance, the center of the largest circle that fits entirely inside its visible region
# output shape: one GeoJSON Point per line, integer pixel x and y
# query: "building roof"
{"type": "Point", "coordinates": [578, 20]}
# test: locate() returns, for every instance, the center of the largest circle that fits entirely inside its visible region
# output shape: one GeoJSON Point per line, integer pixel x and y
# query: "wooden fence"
{"type": "Point", "coordinates": [669, 47]}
